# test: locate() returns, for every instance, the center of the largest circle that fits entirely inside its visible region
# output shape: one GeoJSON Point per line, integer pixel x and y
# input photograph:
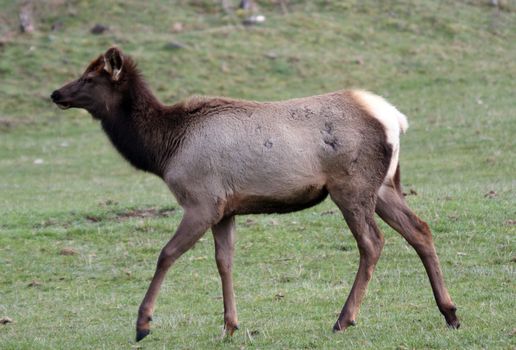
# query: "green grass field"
{"type": "Point", "coordinates": [450, 66]}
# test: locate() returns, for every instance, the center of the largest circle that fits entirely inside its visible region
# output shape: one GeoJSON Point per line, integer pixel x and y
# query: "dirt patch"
{"type": "Point", "coordinates": [7, 124]}
{"type": "Point", "coordinates": [35, 283]}
{"type": "Point", "coordinates": [491, 194]}
{"type": "Point", "coordinates": [250, 222]}
{"type": "Point", "coordinates": [6, 320]}
{"type": "Point", "coordinates": [108, 215]}
{"type": "Point", "coordinates": [328, 212]}
{"type": "Point", "coordinates": [133, 213]}
{"type": "Point", "coordinates": [47, 223]}
{"type": "Point", "coordinates": [411, 192]}
{"type": "Point", "coordinates": [68, 251]}
{"type": "Point", "coordinates": [92, 218]}
{"type": "Point", "coordinates": [146, 213]}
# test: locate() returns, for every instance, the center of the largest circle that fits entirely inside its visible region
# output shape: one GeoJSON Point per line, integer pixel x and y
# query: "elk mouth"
{"type": "Point", "coordinates": [62, 105]}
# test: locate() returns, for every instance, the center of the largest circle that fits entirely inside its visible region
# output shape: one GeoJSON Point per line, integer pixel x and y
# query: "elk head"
{"type": "Point", "coordinates": [100, 89]}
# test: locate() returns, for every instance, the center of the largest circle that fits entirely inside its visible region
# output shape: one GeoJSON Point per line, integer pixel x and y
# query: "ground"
{"type": "Point", "coordinates": [81, 230]}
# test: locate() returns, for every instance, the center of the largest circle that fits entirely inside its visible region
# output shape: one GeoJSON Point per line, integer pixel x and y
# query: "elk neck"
{"type": "Point", "coordinates": [145, 132]}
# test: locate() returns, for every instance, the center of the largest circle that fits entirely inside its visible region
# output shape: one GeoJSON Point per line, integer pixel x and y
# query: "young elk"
{"type": "Point", "coordinates": [222, 157]}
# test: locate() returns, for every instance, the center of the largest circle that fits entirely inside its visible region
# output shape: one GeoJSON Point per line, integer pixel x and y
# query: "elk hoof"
{"type": "Point", "coordinates": [338, 328]}
{"type": "Point", "coordinates": [451, 318]}
{"type": "Point", "coordinates": [140, 334]}
{"type": "Point", "coordinates": [230, 329]}
{"type": "Point", "coordinates": [454, 324]}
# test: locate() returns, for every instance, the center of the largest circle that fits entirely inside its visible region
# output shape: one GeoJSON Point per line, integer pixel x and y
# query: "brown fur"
{"type": "Point", "coordinates": [222, 157]}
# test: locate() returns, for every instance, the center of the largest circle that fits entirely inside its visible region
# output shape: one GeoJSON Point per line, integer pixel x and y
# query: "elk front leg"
{"type": "Point", "coordinates": [193, 225]}
{"type": "Point", "coordinates": [224, 237]}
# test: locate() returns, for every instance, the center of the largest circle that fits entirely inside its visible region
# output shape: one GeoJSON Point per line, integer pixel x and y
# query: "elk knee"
{"type": "Point", "coordinates": [420, 225]}
{"type": "Point", "coordinates": [423, 227]}
{"type": "Point", "coordinates": [165, 258]}
{"type": "Point", "coordinates": [370, 251]}
{"type": "Point", "coordinates": [373, 246]}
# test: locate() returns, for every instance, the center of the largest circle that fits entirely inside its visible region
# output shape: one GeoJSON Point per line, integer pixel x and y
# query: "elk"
{"type": "Point", "coordinates": [223, 157]}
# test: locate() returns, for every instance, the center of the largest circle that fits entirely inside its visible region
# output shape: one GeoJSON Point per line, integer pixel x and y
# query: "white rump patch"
{"type": "Point", "coordinates": [393, 121]}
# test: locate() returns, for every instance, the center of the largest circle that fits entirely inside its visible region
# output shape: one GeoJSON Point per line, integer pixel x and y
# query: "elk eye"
{"type": "Point", "coordinates": [88, 80]}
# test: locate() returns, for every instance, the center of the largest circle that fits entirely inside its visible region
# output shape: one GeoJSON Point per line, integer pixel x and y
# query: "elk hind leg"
{"type": "Point", "coordinates": [392, 208]}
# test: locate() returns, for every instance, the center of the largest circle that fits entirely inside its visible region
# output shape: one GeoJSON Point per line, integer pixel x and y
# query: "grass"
{"type": "Point", "coordinates": [450, 66]}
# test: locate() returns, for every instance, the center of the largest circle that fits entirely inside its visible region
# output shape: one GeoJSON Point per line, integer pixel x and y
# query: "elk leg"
{"type": "Point", "coordinates": [370, 243]}
{"type": "Point", "coordinates": [224, 237]}
{"type": "Point", "coordinates": [192, 227]}
{"type": "Point", "coordinates": [391, 207]}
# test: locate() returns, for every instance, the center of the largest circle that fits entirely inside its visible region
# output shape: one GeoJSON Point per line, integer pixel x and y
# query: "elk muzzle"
{"type": "Point", "coordinates": [59, 100]}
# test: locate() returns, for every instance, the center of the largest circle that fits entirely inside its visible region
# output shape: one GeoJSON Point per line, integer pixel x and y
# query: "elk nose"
{"type": "Point", "coordinates": [56, 95]}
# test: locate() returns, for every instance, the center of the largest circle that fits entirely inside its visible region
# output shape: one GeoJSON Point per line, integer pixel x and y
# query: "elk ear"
{"type": "Point", "coordinates": [114, 62]}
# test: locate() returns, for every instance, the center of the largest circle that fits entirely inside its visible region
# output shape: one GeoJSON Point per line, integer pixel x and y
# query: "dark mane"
{"type": "Point", "coordinates": [144, 131]}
